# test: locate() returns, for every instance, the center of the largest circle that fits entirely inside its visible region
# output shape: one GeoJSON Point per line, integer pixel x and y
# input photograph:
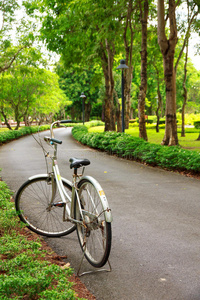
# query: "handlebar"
{"type": "Point", "coordinates": [66, 121]}
{"type": "Point", "coordinates": [52, 138]}
{"type": "Point", "coordinates": [49, 140]}
{"type": "Point", "coordinates": [58, 122]}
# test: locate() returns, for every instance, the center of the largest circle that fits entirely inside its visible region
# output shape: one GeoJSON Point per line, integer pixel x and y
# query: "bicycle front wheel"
{"type": "Point", "coordinates": [34, 207]}
{"type": "Point", "coordinates": [95, 233]}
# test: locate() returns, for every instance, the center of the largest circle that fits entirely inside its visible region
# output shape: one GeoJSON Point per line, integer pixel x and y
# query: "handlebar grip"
{"type": "Point", "coordinates": [66, 121]}
{"type": "Point", "coordinates": [56, 141]}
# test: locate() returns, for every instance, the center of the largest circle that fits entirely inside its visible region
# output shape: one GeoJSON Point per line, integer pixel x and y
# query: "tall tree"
{"type": "Point", "coordinates": [28, 90]}
{"type": "Point", "coordinates": [155, 73]}
{"type": "Point", "coordinates": [144, 11]}
{"type": "Point", "coordinates": [128, 35]}
{"type": "Point", "coordinates": [167, 46]}
{"type": "Point", "coordinates": [192, 13]}
{"type": "Point", "coordinates": [9, 50]}
{"type": "Point", "coordinates": [76, 80]}
{"type": "Point", "coordinates": [85, 33]}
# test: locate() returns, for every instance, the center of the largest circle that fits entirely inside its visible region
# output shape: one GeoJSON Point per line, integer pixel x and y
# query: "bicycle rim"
{"type": "Point", "coordinates": [33, 207]}
{"type": "Point", "coordinates": [95, 237]}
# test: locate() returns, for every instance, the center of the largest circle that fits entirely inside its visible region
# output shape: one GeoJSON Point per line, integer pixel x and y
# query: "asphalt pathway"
{"type": "Point", "coordinates": [156, 221]}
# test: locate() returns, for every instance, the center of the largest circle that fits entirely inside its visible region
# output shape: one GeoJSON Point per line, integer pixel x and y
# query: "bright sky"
{"type": "Point", "coordinates": [195, 40]}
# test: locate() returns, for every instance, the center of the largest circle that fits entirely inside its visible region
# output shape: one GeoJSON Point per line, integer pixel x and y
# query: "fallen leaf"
{"type": "Point", "coordinates": [66, 266]}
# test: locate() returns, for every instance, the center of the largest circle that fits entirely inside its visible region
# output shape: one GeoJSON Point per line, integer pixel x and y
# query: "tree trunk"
{"type": "Point", "coordinates": [184, 93]}
{"type": "Point", "coordinates": [170, 137]}
{"type": "Point", "coordinates": [118, 113]}
{"type": "Point", "coordinates": [5, 119]}
{"type": "Point", "coordinates": [168, 49]}
{"type": "Point", "coordinates": [18, 125]}
{"type": "Point", "coordinates": [87, 111]}
{"type": "Point", "coordinates": [143, 87]}
{"type": "Point", "coordinates": [107, 59]}
{"type": "Point", "coordinates": [158, 107]}
{"type": "Point", "coordinates": [128, 73]}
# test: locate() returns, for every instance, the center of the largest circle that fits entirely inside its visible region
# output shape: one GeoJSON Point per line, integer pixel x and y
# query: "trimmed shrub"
{"type": "Point", "coordinates": [197, 124]}
{"type": "Point", "coordinates": [132, 121]}
{"type": "Point", "coordinates": [162, 121]}
{"type": "Point", "coordinates": [124, 145]}
{"type": "Point", "coordinates": [15, 134]}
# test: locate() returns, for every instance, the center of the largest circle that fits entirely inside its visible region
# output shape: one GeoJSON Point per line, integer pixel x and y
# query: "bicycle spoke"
{"type": "Point", "coordinates": [95, 238]}
{"type": "Point", "coordinates": [33, 204]}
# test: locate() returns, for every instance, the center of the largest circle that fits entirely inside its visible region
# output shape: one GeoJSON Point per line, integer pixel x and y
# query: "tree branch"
{"type": "Point", "coordinates": [6, 67]}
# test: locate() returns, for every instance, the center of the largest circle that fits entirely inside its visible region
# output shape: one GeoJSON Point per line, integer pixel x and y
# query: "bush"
{"type": "Point", "coordinates": [25, 272]}
{"type": "Point", "coordinates": [132, 121]}
{"type": "Point", "coordinates": [124, 145]}
{"type": "Point", "coordinates": [197, 124]}
{"type": "Point", "coordinates": [162, 121]}
{"type": "Point", "coordinates": [15, 134]}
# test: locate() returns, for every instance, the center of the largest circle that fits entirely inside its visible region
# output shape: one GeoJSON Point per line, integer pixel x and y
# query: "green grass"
{"type": "Point", "coordinates": [3, 129]}
{"type": "Point", "coordinates": [187, 142]}
{"type": "Point", "coordinates": [25, 272]}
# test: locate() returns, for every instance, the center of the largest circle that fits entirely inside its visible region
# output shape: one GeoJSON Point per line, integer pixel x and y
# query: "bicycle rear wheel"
{"type": "Point", "coordinates": [32, 203]}
{"type": "Point", "coordinates": [95, 236]}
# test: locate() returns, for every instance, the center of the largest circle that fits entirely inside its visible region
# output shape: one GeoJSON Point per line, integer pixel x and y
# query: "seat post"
{"type": "Point", "coordinates": [75, 171]}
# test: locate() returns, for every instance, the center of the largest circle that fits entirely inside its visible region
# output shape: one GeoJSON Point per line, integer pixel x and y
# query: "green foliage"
{"type": "Point", "coordinates": [24, 271]}
{"type": "Point", "coordinates": [7, 220]}
{"type": "Point", "coordinates": [15, 134]}
{"type": "Point", "coordinates": [30, 91]}
{"type": "Point", "coordinates": [9, 135]}
{"type": "Point", "coordinates": [12, 28]}
{"type": "Point", "coordinates": [124, 145]}
{"type": "Point", "coordinates": [162, 121]}
{"type": "Point", "coordinates": [197, 124]}
{"type": "Point", "coordinates": [74, 81]}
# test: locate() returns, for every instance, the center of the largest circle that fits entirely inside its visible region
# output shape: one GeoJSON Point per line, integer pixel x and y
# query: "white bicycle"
{"type": "Point", "coordinates": [53, 206]}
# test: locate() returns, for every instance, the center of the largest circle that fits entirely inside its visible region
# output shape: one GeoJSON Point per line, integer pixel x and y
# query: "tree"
{"type": "Point", "coordinates": [167, 47]}
{"type": "Point", "coordinates": [76, 80]}
{"type": "Point", "coordinates": [192, 12]}
{"type": "Point", "coordinates": [144, 11]}
{"type": "Point", "coordinates": [9, 50]}
{"type": "Point", "coordinates": [155, 75]}
{"type": "Point", "coordinates": [85, 33]}
{"type": "Point", "coordinates": [29, 91]}
{"type": "Point", "coordinates": [128, 35]}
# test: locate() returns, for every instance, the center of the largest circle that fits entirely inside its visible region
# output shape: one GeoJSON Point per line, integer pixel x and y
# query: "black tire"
{"type": "Point", "coordinates": [32, 203]}
{"type": "Point", "coordinates": [95, 238]}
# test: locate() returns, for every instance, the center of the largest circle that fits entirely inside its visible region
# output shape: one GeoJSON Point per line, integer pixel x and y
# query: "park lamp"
{"type": "Point", "coordinates": [83, 105]}
{"type": "Point", "coordinates": [122, 66]}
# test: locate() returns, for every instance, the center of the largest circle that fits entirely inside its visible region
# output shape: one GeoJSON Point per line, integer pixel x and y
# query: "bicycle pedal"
{"type": "Point", "coordinates": [60, 204]}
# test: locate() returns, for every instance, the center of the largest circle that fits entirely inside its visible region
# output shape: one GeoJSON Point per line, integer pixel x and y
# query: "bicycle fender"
{"type": "Point", "coordinates": [38, 176]}
{"type": "Point", "coordinates": [100, 191]}
{"type": "Point", "coordinates": [47, 175]}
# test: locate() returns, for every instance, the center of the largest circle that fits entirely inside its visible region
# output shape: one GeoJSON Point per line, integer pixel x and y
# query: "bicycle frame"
{"type": "Point", "coordinates": [45, 201]}
{"type": "Point", "coordinates": [57, 182]}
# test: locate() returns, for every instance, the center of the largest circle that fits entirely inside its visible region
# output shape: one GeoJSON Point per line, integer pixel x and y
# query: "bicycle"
{"type": "Point", "coordinates": [53, 206]}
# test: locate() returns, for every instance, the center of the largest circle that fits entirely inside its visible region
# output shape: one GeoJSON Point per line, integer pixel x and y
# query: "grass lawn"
{"type": "Point", "coordinates": [3, 129]}
{"type": "Point", "coordinates": [188, 142]}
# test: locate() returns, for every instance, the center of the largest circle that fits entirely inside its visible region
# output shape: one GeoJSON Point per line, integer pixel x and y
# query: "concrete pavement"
{"type": "Point", "coordinates": [156, 229]}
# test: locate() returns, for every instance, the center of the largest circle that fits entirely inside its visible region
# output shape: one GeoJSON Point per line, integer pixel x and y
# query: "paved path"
{"type": "Point", "coordinates": [156, 229]}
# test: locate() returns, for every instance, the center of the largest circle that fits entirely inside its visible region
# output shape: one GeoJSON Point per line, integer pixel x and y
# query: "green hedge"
{"type": "Point", "coordinates": [124, 145]}
{"type": "Point", "coordinates": [197, 124]}
{"type": "Point", "coordinates": [15, 134]}
{"type": "Point", "coordinates": [25, 268]}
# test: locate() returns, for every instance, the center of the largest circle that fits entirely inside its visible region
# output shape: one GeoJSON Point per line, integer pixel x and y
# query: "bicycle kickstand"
{"type": "Point", "coordinates": [90, 272]}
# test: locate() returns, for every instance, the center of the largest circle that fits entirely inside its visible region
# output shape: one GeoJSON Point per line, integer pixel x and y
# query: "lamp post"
{"type": "Point", "coordinates": [83, 105]}
{"type": "Point", "coordinates": [122, 66]}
